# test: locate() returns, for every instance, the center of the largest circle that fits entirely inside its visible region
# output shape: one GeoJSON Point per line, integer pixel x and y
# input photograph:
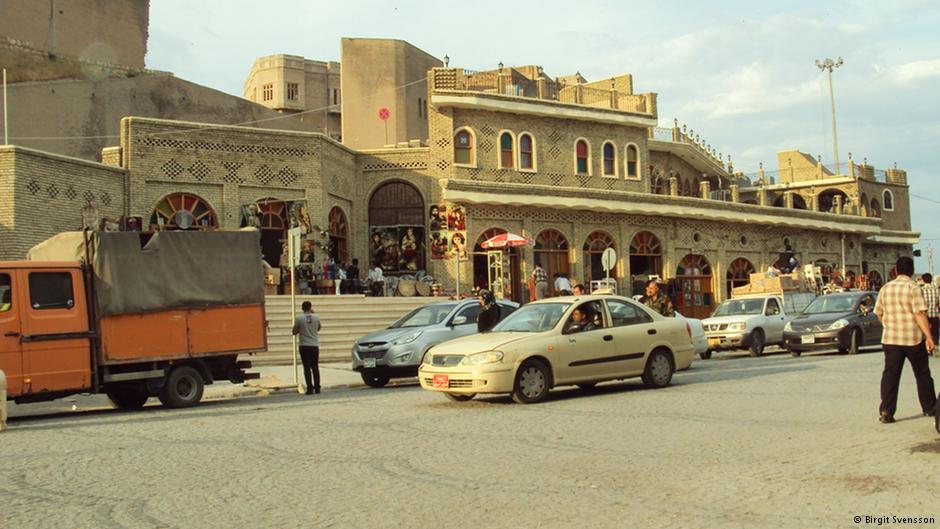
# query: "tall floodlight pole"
{"type": "Point", "coordinates": [828, 65]}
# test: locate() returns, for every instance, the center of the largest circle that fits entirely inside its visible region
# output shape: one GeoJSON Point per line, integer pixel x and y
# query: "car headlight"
{"type": "Point", "coordinates": [408, 338]}
{"type": "Point", "coordinates": [488, 357]}
{"type": "Point", "coordinates": [737, 326]}
{"type": "Point", "coordinates": [427, 358]}
{"type": "Point", "coordinates": [838, 324]}
{"type": "Point", "coordinates": [788, 327]}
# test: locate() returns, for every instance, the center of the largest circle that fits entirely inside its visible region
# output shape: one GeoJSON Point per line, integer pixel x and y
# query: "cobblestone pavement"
{"type": "Point", "coordinates": [735, 442]}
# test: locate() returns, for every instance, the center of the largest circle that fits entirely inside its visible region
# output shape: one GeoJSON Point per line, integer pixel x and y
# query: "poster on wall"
{"type": "Point", "coordinates": [298, 216]}
{"type": "Point", "coordinates": [439, 245]}
{"type": "Point", "coordinates": [458, 245]}
{"type": "Point", "coordinates": [251, 216]}
{"type": "Point", "coordinates": [398, 249]}
{"type": "Point", "coordinates": [456, 218]}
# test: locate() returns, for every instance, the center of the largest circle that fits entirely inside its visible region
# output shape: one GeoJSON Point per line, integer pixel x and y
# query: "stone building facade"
{"type": "Point", "coordinates": [572, 168]}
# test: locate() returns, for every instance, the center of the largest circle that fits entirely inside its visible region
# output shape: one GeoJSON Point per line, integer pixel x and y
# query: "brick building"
{"type": "Point", "coordinates": [577, 166]}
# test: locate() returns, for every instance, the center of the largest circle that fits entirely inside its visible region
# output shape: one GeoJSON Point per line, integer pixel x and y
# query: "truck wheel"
{"type": "Point", "coordinates": [757, 343]}
{"type": "Point", "coordinates": [375, 379]}
{"type": "Point", "coordinates": [182, 388]}
{"type": "Point", "coordinates": [128, 397]}
{"type": "Point", "coordinates": [706, 355]}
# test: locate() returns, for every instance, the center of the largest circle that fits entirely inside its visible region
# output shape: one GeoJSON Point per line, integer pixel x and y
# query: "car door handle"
{"type": "Point", "coordinates": [651, 331]}
{"type": "Point", "coordinates": [608, 337]}
{"type": "Point", "coordinates": [11, 333]}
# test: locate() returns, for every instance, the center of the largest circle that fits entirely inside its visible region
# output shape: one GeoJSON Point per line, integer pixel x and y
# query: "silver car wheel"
{"type": "Point", "coordinates": [532, 382]}
{"type": "Point", "coordinates": [660, 370]}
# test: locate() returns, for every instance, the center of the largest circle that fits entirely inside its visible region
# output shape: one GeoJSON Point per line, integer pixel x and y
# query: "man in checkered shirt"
{"type": "Point", "coordinates": [932, 299]}
{"type": "Point", "coordinates": [902, 311]}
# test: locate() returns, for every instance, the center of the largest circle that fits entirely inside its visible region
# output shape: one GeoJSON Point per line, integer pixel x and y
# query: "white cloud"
{"type": "Point", "coordinates": [910, 73]}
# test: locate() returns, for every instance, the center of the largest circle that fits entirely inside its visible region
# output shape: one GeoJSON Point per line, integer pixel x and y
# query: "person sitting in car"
{"type": "Point", "coordinates": [582, 319]}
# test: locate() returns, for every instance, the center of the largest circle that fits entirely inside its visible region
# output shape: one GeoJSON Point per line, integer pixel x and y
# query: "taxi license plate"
{"type": "Point", "coordinates": [808, 338]}
{"type": "Point", "coordinates": [368, 362]}
{"type": "Point", "coordinates": [442, 381]}
{"type": "Point", "coordinates": [714, 341]}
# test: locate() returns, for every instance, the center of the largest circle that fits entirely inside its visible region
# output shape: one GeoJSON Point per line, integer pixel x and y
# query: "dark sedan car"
{"type": "Point", "coordinates": [844, 321]}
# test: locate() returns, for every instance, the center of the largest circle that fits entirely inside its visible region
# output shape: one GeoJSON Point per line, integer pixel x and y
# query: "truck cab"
{"type": "Point", "coordinates": [45, 346]}
{"type": "Point", "coordinates": [746, 323]}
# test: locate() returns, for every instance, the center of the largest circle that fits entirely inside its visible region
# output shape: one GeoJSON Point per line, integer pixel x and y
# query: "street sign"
{"type": "Point", "coordinates": [384, 113]}
{"type": "Point", "coordinates": [609, 259]}
{"type": "Point", "coordinates": [293, 245]}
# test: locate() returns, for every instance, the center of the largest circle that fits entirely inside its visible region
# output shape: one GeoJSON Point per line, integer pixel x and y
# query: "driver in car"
{"type": "Point", "coordinates": [582, 319]}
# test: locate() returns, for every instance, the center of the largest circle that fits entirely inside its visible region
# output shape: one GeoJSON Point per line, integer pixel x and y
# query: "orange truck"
{"type": "Point", "coordinates": [131, 315]}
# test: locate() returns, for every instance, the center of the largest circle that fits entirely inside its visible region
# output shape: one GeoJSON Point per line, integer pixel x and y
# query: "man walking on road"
{"type": "Point", "coordinates": [902, 311]}
{"type": "Point", "coordinates": [307, 327]}
{"type": "Point", "coordinates": [932, 299]}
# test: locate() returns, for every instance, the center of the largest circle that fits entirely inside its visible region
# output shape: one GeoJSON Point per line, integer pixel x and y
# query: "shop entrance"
{"type": "Point", "coordinates": [551, 251]}
{"type": "Point", "coordinates": [694, 296]}
{"type": "Point", "coordinates": [512, 266]}
{"type": "Point", "coordinates": [646, 259]}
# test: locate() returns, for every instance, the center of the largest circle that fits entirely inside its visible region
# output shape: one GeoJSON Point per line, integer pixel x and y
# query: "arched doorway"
{"type": "Point", "coordinates": [594, 247]}
{"type": "Point", "coordinates": [339, 236]}
{"type": "Point", "coordinates": [270, 216]}
{"type": "Point", "coordinates": [396, 228]}
{"type": "Point", "coordinates": [739, 274]}
{"type": "Point", "coordinates": [827, 200]}
{"type": "Point", "coordinates": [551, 251]}
{"type": "Point", "coordinates": [646, 257]}
{"type": "Point", "coordinates": [183, 211]}
{"type": "Point", "coordinates": [481, 266]}
{"type": "Point", "coordinates": [694, 297]}
{"type": "Point", "coordinates": [799, 202]}
{"type": "Point", "coordinates": [863, 205]}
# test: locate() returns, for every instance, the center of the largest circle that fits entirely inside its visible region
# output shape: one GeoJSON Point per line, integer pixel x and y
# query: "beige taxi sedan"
{"type": "Point", "coordinates": [572, 340]}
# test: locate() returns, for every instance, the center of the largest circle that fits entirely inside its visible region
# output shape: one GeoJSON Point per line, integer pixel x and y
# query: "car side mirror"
{"type": "Point", "coordinates": [459, 320]}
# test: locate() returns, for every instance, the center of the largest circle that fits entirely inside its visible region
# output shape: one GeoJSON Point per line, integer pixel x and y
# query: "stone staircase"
{"type": "Point", "coordinates": [344, 319]}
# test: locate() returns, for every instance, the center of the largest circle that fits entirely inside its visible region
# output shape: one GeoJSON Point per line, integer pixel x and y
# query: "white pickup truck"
{"type": "Point", "coordinates": [752, 322]}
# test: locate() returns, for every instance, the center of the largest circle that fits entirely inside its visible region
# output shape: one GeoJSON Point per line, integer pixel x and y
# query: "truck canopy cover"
{"type": "Point", "coordinates": [176, 269]}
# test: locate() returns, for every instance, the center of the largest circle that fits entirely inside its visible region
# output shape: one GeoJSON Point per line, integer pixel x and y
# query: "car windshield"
{"type": "Point", "coordinates": [424, 316]}
{"type": "Point", "coordinates": [826, 304]}
{"type": "Point", "coordinates": [734, 307]}
{"type": "Point", "coordinates": [539, 317]}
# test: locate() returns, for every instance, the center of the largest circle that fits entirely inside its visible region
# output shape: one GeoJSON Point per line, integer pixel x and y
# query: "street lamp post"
{"type": "Point", "coordinates": [828, 65]}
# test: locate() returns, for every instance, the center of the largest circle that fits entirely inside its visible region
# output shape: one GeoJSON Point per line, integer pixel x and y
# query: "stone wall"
{"type": "Point", "coordinates": [42, 194]}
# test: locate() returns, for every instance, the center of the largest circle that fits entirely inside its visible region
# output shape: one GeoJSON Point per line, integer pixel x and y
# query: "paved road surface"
{"type": "Point", "coordinates": [736, 442]}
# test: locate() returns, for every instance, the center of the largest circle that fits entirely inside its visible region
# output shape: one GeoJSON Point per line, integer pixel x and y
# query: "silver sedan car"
{"type": "Point", "coordinates": [397, 351]}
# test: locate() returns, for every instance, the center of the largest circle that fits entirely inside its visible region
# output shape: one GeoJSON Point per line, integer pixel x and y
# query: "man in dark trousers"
{"type": "Point", "coordinates": [902, 311]}
{"type": "Point", "coordinates": [307, 327]}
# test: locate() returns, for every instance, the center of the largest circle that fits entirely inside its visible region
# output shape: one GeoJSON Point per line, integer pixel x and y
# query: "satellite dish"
{"type": "Point", "coordinates": [184, 219]}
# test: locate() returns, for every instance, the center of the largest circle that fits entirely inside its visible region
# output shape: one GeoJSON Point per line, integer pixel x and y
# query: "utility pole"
{"type": "Point", "coordinates": [828, 65]}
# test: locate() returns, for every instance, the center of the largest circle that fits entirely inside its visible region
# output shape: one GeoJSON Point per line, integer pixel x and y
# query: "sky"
{"type": "Point", "coordinates": [741, 74]}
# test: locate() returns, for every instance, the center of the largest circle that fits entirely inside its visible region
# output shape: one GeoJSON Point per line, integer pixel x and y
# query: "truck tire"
{"type": "Point", "coordinates": [128, 397]}
{"type": "Point", "coordinates": [757, 343]}
{"type": "Point", "coordinates": [182, 388]}
{"type": "Point", "coordinates": [706, 355]}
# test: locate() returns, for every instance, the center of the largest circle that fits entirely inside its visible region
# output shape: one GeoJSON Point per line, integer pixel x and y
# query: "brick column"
{"type": "Point", "coordinates": [838, 203]}
{"type": "Point", "coordinates": [673, 186]}
{"type": "Point", "coordinates": [788, 200]}
{"type": "Point", "coordinates": [762, 196]}
{"type": "Point", "coordinates": [705, 189]}
{"type": "Point", "coordinates": [735, 194]}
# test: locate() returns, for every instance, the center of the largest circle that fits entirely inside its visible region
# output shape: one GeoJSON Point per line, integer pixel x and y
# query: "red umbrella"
{"type": "Point", "coordinates": [507, 240]}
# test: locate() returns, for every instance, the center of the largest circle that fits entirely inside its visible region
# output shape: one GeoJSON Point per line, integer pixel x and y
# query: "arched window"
{"type": "Point", "coordinates": [633, 162]}
{"type": "Point", "coordinates": [464, 147]}
{"type": "Point", "coordinates": [827, 200]}
{"type": "Point", "coordinates": [594, 247]}
{"type": "Point", "coordinates": [339, 236]}
{"type": "Point", "coordinates": [507, 152]}
{"type": "Point", "coordinates": [610, 159]}
{"type": "Point", "coordinates": [694, 277]}
{"type": "Point", "coordinates": [799, 202]}
{"type": "Point", "coordinates": [646, 254]}
{"type": "Point", "coordinates": [582, 156]}
{"type": "Point", "coordinates": [659, 186]}
{"type": "Point", "coordinates": [863, 205]}
{"type": "Point", "coordinates": [396, 228]}
{"type": "Point", "coordinates": [183, 211]}
{"type": "Point", "coordinates": [526, 152]}
{"type": "Point", "coordinates": [551, 251]}
{"type": "Point", "coordinates": [875, 208]}
{"type": "Point", "coordinates": [887, 199]}
{"type": "Point", "coordinates": [739, 274]}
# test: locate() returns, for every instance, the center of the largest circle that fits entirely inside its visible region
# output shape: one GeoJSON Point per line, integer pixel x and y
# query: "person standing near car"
{"type": "Point", "coordinates": [932, 299]}
{"type": "Point", "coordinates": [656, 300]}
{"type": "Point", "coordinates": [489, 311]}
{"type": "Point", "coordinates": [307, 329]}
{"type": "Point", "coordinates": [540, 277]}
{"type": "Point", "coordinates": [903, 313]}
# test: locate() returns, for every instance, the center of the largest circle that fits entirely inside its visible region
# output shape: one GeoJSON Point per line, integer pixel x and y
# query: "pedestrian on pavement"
{"type": "Point", "coordinates": [541, 282]}
{"type": "Point", "coordinates": [903, 313]}
{"type": "Point", "coordinates": [562, 285]}
{"type": "Point", "coordinates": [352, 278]}
{"type": "Point", "coordinates": [307, 328]}
{"type": "Point", "coordinates": [932, 299]}
{"type": "Point", "coordinates": [377, 280]}
{"type": "Point", "coordinates": [578, 290]}
{"type": "Point", "coordinates": [489, 311]}
{"type": "Point", "coordinates": [656, 300]}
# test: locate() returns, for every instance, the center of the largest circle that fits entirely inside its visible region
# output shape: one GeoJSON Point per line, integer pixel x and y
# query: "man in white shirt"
{"type": "Point", "coordinates": [377, 280]}
{"type": "Point", "coordinates": [562, 285]}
